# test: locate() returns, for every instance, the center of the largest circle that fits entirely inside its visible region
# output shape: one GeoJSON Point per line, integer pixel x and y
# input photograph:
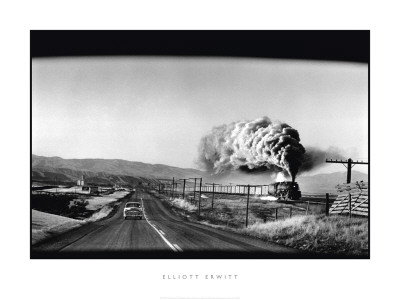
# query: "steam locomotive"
{"type": "Point", "coordinates": [285, 190]}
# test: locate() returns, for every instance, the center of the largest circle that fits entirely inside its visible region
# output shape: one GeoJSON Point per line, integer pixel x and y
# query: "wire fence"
{"type": "Point", "coordinates": [237, 205]}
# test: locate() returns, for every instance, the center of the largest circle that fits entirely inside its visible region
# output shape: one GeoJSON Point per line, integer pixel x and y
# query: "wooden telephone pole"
{"type": "Point", "coordinates": [184, 186]}
{"type": "Point", "coordinates": [194, 194]}
{"type": "Point", "coordinates": [213, 192]}
{"type": "Point", "coordinates": [348, 164]}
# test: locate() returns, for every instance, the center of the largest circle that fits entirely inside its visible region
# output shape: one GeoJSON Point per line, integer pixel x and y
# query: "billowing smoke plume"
{"type": "Point", "coordinates": [315, 157]}
{"type": "Point", "coordinates": [259, 145]}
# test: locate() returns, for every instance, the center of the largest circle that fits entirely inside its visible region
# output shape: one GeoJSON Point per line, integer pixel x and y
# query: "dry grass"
{"type": "Point", "coordinates": [183, 204]}
{"type": "Point", "coordinates": [230, 210]}
{"type": "Point", "coordinates": [316, 233]}
{"type": "Point", "coordinates": [320, 234]}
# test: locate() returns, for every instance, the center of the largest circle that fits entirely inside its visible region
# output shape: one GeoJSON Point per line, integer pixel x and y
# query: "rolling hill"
{"type": "Point", "coordinates": [123, 172]}
{"type": "Point", "coordinates": [103, 171]}
{"type": "Point", "coordinates": [325, 183]}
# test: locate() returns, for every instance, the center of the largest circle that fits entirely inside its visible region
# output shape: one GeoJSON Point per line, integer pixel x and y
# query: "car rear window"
{"type": "Point", "coordinates": [133, 205]}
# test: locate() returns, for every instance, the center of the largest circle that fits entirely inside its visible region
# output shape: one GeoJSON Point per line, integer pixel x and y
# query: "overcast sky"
{"type": "Point", "coordinates": [156, 109]}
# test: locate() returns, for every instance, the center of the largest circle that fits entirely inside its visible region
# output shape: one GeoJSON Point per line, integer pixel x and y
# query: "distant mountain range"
{"type": "Point", "coordinates": [103, 171]}
{"type": "Point", "coordinates": [325, 183]}
{"type": "Point", "coordinates": [123, 172]}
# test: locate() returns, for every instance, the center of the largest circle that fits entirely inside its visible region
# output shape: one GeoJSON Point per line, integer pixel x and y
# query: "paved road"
{"type": "Point", "coordinates": [162, 234]}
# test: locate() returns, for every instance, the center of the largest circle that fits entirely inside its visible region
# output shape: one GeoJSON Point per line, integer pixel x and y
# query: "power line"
{"type": "Point", "coordinates": [349, 164]}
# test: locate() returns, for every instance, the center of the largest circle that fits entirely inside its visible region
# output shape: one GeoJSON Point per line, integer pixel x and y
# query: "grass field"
{"type": "Point", "coordinates": [312, 232]}
{"type": "Point", "coordinates": [74, 206]}
{"type": "Point", "coordinates": [321, 234]}
{"type": "Point", "coordinates": [230, 210]}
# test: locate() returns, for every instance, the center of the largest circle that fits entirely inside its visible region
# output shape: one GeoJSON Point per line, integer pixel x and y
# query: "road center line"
{"type": "Point", "coordinates": [177, 247]}
{"type": "Point", "coordinates": [162, 236]}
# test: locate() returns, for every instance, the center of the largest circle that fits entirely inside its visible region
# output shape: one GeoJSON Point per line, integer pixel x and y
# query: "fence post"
{"type": "Point", "coordinates": [308, 205]}
{"type": "Point", "coordinates": [276, 214]}
{"type": "Point", "coordinates": [247, 208]}
{"type": "Point", "coordinates": [350, 204]}
{"type": "Point", "coordinates": [201, 179]}
{"type": "Point", "coordinates": [194, 191]}
{"type": "Point", "coordinates": [327, 204]}
{"type": "Point", "coordinates": [290, 212]}
{"type": "Point", "coordinates": [212, 201]}
{"type": "Point", "coordinates": [173, 183]}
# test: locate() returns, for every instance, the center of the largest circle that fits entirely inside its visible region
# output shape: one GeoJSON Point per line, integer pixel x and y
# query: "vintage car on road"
{"type": "Point", "coordinates": [133, 210]}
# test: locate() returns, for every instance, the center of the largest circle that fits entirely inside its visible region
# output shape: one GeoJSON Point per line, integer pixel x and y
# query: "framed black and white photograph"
{"type": "Point", "coordinates": [209, 144]}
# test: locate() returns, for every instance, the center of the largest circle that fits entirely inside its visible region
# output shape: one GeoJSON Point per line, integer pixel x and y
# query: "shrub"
{"type": "Point", "coordinates": [53, 204]}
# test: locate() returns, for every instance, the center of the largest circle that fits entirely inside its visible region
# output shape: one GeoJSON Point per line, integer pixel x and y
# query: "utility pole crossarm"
{"type": "Point", "coordinates": [349, 164]}
{"type": "Point", "coordinates": [346, 161]}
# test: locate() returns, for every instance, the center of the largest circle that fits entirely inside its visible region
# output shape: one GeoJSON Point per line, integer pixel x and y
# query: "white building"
{"type": "Point", "coordinates": [90, 189]}
{"type": "Point", "coordinates": [81, 182]}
